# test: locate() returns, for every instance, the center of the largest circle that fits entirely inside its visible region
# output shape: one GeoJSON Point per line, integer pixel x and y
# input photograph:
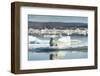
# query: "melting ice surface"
{"type": "Point", "coordinates": [48, 54]}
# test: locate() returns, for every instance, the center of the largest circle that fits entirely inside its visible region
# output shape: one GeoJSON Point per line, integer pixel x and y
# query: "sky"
{"type": "Point", "coordinates": [48, 18]}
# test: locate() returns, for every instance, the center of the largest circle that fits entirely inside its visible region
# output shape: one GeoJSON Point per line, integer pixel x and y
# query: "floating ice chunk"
{"type": "Point", "coordinates": [64, 42]}
{"type": "Point", "coordinates": [35, 40]}
{"type": "Point", "coordinates": [65, 39]}
{"type": "Point", "coordinates": [31, 38]}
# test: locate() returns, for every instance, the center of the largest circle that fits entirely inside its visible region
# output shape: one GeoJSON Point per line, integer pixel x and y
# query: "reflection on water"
{"type": "Point", "coordinates": [57, 55]}
{"type": "Point", "coordinates": [52, 54]}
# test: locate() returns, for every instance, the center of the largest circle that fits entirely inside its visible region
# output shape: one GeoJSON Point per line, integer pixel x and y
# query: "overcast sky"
{"type": "Point", "coordinates": [43, 18]}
